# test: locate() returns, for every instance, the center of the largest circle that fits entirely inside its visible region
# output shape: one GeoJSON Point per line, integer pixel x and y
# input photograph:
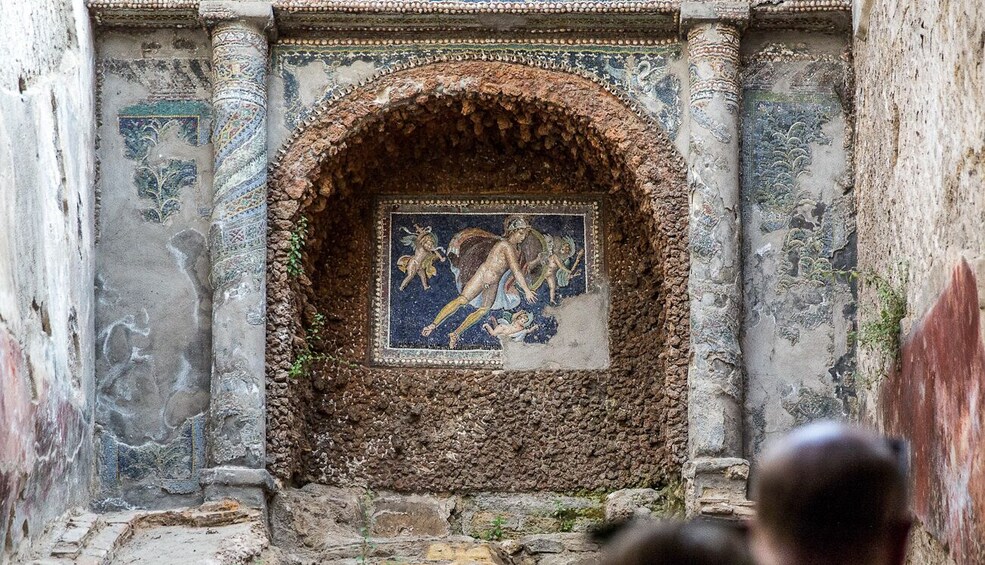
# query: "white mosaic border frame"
{"type": "Point", "coordinates": [590, 207]}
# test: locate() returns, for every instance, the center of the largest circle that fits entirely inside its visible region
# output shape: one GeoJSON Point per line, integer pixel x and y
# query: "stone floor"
{"type": "Point", "coordinates": [320, 524]}
{"type": "Point", "coordinates": [214, 533]}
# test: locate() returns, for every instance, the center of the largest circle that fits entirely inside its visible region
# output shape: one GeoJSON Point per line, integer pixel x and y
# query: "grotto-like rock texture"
{"type": "Point", "coordinates": [472, 129]}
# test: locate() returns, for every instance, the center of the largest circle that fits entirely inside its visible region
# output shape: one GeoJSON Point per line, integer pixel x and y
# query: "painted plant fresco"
{"type": "Point", "coordinates": [160, 182]}
{"type": "Point", "coordinates": [457, 276]}
{"type": "Point", "coordinates": [645, 72]}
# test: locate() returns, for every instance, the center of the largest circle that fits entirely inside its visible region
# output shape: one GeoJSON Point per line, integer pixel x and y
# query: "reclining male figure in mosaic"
{"type": "Point", "coordinates": [481, 261]}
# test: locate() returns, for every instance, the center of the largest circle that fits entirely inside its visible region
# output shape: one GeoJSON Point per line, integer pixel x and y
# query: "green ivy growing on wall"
{"type": "Point", "coordinates": [307, 356]}
{"type": "Point", "coordinates": [883, 332]}
{"type": "Point", "coordinates": [879, 330]}
{"type": "Point", "coordinates": [295, 266]}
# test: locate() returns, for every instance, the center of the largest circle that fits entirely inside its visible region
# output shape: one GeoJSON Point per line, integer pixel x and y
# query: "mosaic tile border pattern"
{"type": "Point", "coordinates": [382, 353]}
{"type": "Point", "coordinates": [643, 72]}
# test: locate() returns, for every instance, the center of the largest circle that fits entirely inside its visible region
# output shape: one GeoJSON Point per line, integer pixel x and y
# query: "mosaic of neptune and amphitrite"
{"type": "Point", "coordinates": [456, 277]}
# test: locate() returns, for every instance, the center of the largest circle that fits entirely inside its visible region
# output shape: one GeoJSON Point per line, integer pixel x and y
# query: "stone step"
{"type": "Point", "coordinates": [552, 549]}
{"type": "Point", "coordinates": [101, 549]}
{"type": "Point", "coordinates": [77, 533]}
{"type": "Point", "coordinates": [216, 532]}
{"type": "Point", "coordinates": [90, 539]}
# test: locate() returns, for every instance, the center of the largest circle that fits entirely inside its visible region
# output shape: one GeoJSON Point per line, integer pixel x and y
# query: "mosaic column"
{"type": "Point", "coordinates": [715, 471]}
{"type": "Point", "coordinates": [237, 241]}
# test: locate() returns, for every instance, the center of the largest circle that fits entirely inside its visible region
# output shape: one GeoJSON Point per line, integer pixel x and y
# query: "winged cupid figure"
{"type": "Point", "coordinates": [421, 263]}
{"type": "Point", "coordinates": [488, 269]}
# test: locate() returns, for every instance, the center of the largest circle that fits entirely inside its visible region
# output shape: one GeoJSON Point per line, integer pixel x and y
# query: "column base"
{"type": "Point", "coordinates": [715, 487]}
{"type": "Point", "coordinates": [250, 487]}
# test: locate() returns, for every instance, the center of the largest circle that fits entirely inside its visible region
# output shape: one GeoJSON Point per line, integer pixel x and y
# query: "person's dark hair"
{"type": "Point", "coordinates": [832, 492]}
{"type": "Point", "coordinates": [677, 543]}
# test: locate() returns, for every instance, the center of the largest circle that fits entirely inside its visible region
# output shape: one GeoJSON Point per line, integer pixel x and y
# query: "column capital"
{"type": "Point", "coordinates": [733, 12]}
{"type": "Point", "coordinates": [256, 14]}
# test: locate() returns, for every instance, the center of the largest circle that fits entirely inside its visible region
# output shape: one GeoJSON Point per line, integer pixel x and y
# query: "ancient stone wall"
{"type": "Point", "coordinates": [153, 309]}
{"type": "Point", "coordinates": [798, 233]}
{"type": "Point", "coordinates": [920, 136]}
{"type": "Point", "coordinates": [47, 172]}
{"type": "Point", "coordinates": [350, 421]}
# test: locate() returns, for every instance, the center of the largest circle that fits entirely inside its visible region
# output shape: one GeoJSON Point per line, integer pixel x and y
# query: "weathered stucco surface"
{"type": "Point", "coordinates": [46, 267]}
{"type": "Point", "coordinates": [153, 297]}
{"type": "Point", "coordinates": [798, 233]}
{"type": "Point", "coordinates": [920, 137]}
{"type": "Point", "coordinates": [935, 397]}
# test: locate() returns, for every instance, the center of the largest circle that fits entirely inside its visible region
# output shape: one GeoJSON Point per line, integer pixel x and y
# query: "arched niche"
{"type": "Point", "coordinates": [482, 128]}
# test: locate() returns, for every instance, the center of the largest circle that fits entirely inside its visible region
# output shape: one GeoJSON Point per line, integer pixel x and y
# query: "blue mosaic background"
{"type": "Point", "coordinates": [799, 238]}
{"type": "Point", "coordinates": [777, 155]}
{"type": "Point", "coordinates": [173, 467]}
{"type": "Point", "coordinates": [160, 182]}
{"type": "Point", "coordinates": [413, 308]}
{"type": "Point", "coordinates": [642, 71]}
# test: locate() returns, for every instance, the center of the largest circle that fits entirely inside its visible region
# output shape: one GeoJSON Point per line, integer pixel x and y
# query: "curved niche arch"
{"type": "Point", "coordinates": [486, 130]}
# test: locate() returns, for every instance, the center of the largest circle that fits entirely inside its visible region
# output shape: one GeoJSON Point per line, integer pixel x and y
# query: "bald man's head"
{"type": "Point", "coordinates": [831, 494]}
{"type": "Point", "coordinates": [674, 543]}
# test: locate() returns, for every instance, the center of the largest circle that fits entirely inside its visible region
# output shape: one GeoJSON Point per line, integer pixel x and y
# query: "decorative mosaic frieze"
{"type": "Point", "coordinates": [173, 467]}
{"type": "Point", "coordinates": [544, 16]}
{"type": "Point", "coordinates": [645, 72]}
{"type": "Point", "coordinates": [159, 182]}
{"type": "Point", "coordinates": [166, 80]}
{"type": "Point", "coordinates": [457, 276]}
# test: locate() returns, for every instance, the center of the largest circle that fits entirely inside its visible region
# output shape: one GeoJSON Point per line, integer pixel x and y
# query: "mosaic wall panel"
{"type": "Point", "coordinates": [159, 181]}
{"type": "Point", "coordinates": [174, 467]}
{"type": "Point", "coordinates": [456, 276]}
{"type": "Point", "coordinates": [153, 297]}
{"type": "Point", "coordinates": [799, 241]}
{"type": "Point", "coordinates": [652, 75]}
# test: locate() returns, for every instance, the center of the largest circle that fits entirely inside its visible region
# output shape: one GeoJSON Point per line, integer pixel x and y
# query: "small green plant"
{"type": "Point", "coordinates": [304, 358]}
{"type": "Point", "coordinates": [883, 333]}
{"type": "Point", "coordinates": [565, 516]}
{"type": "Point", "coordinates": [495, 531]}
{"type": "Point", "coordinates": [295, 266]}
{"type": "Point", "coordinates": [367, 546]}
{"type": "Point", "coordinates": [671, 500]}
